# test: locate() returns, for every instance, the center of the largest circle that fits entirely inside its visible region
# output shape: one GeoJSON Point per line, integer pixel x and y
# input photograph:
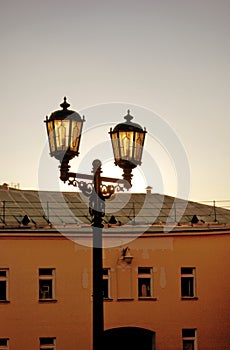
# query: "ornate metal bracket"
{"type": "Point", "coordinates": [95, 186]}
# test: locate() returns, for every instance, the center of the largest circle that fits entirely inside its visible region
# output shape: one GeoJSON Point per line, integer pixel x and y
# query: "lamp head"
{"type": "Point", "coordinates": [127, 142]}
{"type": "Point", "coordinates": [64, 129]}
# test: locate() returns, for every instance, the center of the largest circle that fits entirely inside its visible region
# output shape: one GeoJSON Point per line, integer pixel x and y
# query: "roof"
{"type": "Point", "coordinates": [47, 209]}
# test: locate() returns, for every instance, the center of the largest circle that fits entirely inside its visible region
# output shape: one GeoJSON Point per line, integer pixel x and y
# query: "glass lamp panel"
{"type": "Point", "coordinates": [126, 144]}
{"type": "Point", "coordinates": [138, 146]}
{"type": "Point", "coordinates": [115, 144]}
{"type": "Point", "coordinates": [62, 134]}
{"type": "Point", "coordinates": [75, 134]}
{"type": "Point", "coordinates": [51, 136]}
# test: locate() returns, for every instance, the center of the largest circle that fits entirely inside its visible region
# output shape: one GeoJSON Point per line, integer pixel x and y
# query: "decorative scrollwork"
{"type": "Point", "coordinates": [85, 187]}
{"type": "Point", "coordinates": [98, 189]}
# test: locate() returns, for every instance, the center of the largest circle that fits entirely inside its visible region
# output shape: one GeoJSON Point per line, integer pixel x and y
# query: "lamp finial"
{"type": "Point", "coordinates": [128, 117]}
{"type": "Point", "coordinates": [64, 104]}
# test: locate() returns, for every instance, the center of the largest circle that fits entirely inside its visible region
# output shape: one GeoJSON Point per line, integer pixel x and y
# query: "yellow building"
{"type": "Point", "coordinates": [166, 285]}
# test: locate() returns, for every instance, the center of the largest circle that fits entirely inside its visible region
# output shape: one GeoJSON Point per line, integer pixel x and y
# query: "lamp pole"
{"type": "Point", "coordinates": [64, 132]}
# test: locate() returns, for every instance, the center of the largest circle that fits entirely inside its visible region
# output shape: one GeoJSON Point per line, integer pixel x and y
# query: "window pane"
{"type": "Point", "coordinates": [45, 272]}
{"type": "Point", "coordinates": [187, 287]}
{"type": "Point", "coordinates": [188, 333]}
{"type": "Point", "coordinates": [105, 288]}
{"type": "Point", "coordinates": [2, 290]}
{"type": "Point", "coordinates": [187, 270]}
{"type": "Point", "coordinates": [144, 287]}
{"type": "Point", "coordinates": [46, 341]}
{"type": "Point", "coordinates": [188, 344]}
{"type": "Point", "coordinates": [45, 289]}
{"type": "Point", "coordinates": [146, 270]}
{"type": "Point", "coordinates": [3, 342]}
{"type": "Point", "coordinates": [2, 273]}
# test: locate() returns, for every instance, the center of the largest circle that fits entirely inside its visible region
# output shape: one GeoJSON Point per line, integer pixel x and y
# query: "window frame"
{"type": "Point", "coordinates": [188, 281]}
{"type": "Point", "coordinates": [142, 275]}
{"type": "Point", "coordinates": [189, 338]}
{"type": "Point", "coordinates": [6, 280]}
{"type": "Point", "coordinates": [51, 279]}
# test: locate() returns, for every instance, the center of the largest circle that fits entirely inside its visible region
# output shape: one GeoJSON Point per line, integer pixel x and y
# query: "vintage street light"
{"type": "Point", "coordinates": [64, 133]}
{"type": "Point", "coordinates": [127, 141]}
{"type": "Point", "coordinates": [64, 129]}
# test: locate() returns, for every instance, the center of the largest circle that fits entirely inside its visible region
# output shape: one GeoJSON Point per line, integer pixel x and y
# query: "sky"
{"type": "Point", "coordinates": [167, 61]}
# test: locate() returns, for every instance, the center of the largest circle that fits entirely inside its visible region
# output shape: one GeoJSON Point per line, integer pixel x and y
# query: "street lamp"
{"type": "Point", "coordinates": [64, 129]}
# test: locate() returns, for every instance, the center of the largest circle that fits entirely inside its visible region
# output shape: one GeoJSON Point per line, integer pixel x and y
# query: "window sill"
{"type": "Point", "coordinates": [47, 300]}
{"type": "Point", "coordinates": [4, 301]}
{"type": "Point", "coordinates": [125, 299]}
{"type": "Point", "coordinates": [147, 298]}
{"type": "Point", "coordinates": [107, 299]}
{"type": "Point", "coordinates": [189, 298]}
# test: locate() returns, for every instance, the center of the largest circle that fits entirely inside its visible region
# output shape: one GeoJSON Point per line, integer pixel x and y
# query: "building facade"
{"type": "Point", "coordinates": [163, 289]}
{"type": "Point", "coordinates": [172, 287]}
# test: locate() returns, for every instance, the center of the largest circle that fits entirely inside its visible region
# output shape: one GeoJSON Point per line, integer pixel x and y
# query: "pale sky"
{"type": "Point", "coordinates": [168, 61]}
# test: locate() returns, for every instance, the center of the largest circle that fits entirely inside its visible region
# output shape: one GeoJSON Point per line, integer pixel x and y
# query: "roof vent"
{"type": "Point", "coordinates": [196, 219]}
{"type": "Point", "coordinates": [4, 186]}
{"type": "Point", "coordinates": [112, 220]}
{"type": "Point", "coordinates": [148, 189]}
{"type": "Point", "coordinates": [25, 221]}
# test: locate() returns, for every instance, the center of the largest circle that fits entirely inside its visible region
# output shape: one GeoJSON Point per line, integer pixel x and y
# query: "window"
{"type": "Point", "coordinates": [144, 282]}
{"type": "Point", "coordinates": [4, 343]}
{"type": "Point", "coordinates": [47, 343]}
{"type": "Point", "coordinates": [3, 285]}
{"type": "Point", "coordinates": [189, 339]}
{"type": "Point", "coordinates": [188, 282]}
{"type": "Point", "coordinates": [106, 283]}
{"type": "Point", "coordinates": [46, 284]}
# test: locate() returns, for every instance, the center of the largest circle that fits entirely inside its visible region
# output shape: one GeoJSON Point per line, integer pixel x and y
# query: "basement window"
{"type": "Point", "coordinates": [189, 339]}
{"type": "Point", "coordinates": [47, 343]}
{"type": "Point", "coordinates": [46, 284]}
{"type": "Point", "coordinates": [188, 282]}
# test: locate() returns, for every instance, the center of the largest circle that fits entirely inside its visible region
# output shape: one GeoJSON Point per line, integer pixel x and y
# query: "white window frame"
{"type": "Point", "coordinates": [148, 276]}
{"type": "Point", "coordinates": [6, 280]}
{"type": "Point", "coordinates": [44, 291]}
{"type": "Point", "coordinates": [188, 276]}
{"type": "Point", "coordinates": [48, 346]}
{"type": "Point", "coordinates": [4, 347]}
{"type": "Point", "coordinates": [189, 338]}
{"type": "Point", "coordinates": [107, 277]}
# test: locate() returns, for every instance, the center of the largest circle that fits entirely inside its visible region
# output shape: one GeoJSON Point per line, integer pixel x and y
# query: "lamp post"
{"type": "Point", "coordinates": [64, 129]}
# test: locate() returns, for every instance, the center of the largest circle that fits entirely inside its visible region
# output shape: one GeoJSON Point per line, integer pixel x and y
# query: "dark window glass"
{"type": "Point", "coordinates": [188, 333]}
{"type": "Point", "coordinates": [45, 289]}
{"type": "Point", "coordinates": [188, 344]}
{"type": "Point", "coordinates": [187, 286]}
{"type": "Point", "coordinates": [144, 289]}
{"type": "Point", "coordinates": [45, 272]}
{"type": "Point", "coordinates": [46, 341]}
{"type": "Point", "coordinates": [3, 342]}
{"type": "Point", "coordinates": [187, 270]}
{"type": "Point", "coordinates": [2, 273]}
{"type": "Point", "coordinates": [105, 288]}
{"type": "Point", "coordinates": [2, 290]}
{"type": "Point", "coordinates": [144, 270]}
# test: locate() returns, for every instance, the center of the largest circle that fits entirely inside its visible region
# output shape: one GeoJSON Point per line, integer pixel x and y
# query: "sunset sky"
{"type": "Point", "coordinates": [168, 61]}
